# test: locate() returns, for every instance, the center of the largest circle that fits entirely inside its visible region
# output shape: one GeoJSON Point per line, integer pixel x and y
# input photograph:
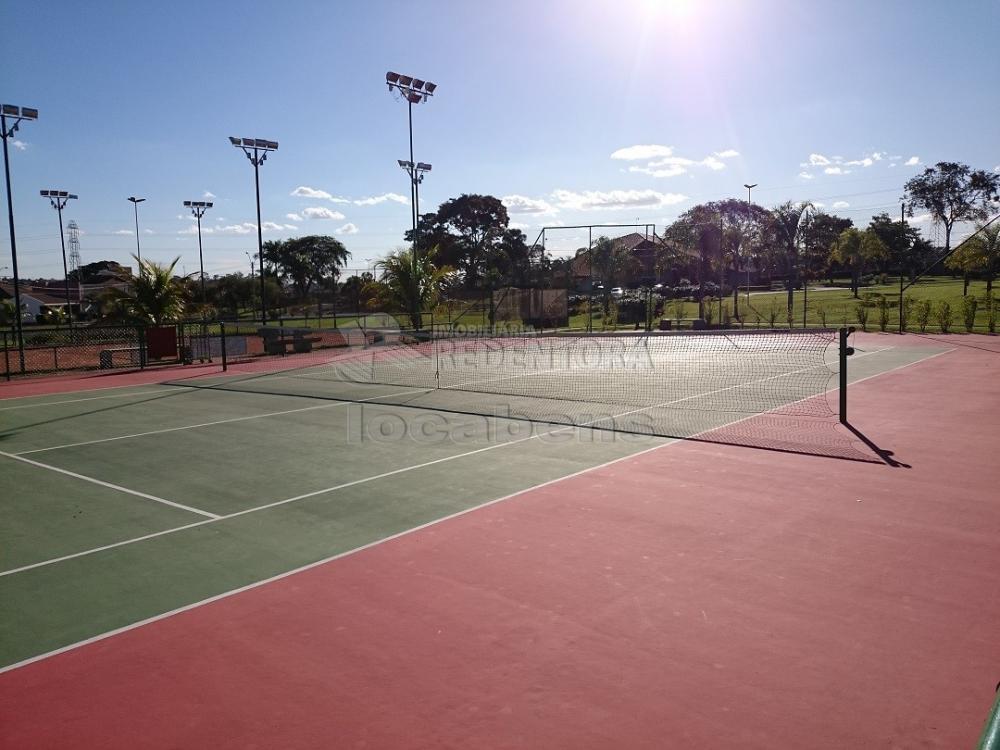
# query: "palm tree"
{"type": "Point", "coordinates": [788, 221]}
{"type": "Point", "coordinates": [154, 298]}
{"type": "Point", "coordinates": [409, 286]}
{"type": "Point", "coordinates": [981, 252]}
{"type": "Point", "coordinates": [6, 313]}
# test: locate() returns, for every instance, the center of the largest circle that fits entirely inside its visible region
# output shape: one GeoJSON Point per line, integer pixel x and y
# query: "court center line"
{"type": "Point", "coordinates": [89, 398]}
{"type": "Point", "coordinates": [364, 480]}
{"type": "Point", "coordinates": [369, 545]}
{"type": "Point", "coordinates": [210, 424]}
{"type": "Point", "coordinates": [109, 485]}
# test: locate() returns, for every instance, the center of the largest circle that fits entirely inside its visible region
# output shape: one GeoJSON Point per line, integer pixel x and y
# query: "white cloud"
{"type": "Point", "coordinates": [320, 212]}
{"type": "Point", "coordinates": [293, 217]}
{"type": "Point", "coordinates": [841, 204]}
{"type": "Point", "coordinates": [805, 175]}
{"type": "Point", "coordinates": [666, 171]}
{"type": "Point", "coordinates": [817, 160]}
{"type": "Point", "coordinates": [712, 163]}
{"type": "Point", "coordinates": [729, 153]}
{"type": "Point", "coordinates": [20, 145]}
{"type": "Point", "coordinates": [921, 219]}
{"type": "Point", "coordinates": [348, 228]}
{"type": "Point", "coordinates": [124, 232]}
{"type": "Point", "coordinates": [615, 199]}
{"type": "Point", "coordinates": [518, 225]}
{"type": "Point", "coordinates": [866, 162]}
{"type": "Point", "coordinates": [303, 191]}
{"type": "Point", "coordinates": [642, 153]}
{"type": "Point", "coordinates": [208, 195]}
{"type": "Point", "coordinates": [912, 161]}
{"type": "Point", "coordinates": [270, 226]}
{"type": "Point", "coordinates": [148, 231]}
{"type": "Point", "coordinates": [836, 170]}
{"type": "Point", "coordinates": [376, 199]}
{"type": "Point", "coordinates": [521, 204]}
{"type": "Point", "coordinates": [292, 227]}
{"type": "Point", "coordinates": [818, 204]}
{"type": "Point", "coordinates": [247, 227]}
{"type": "Point", "coordinates": [996, 168]}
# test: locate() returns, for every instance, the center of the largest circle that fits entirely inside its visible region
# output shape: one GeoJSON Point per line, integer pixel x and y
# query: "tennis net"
{"type": "Point", "coordinates": [765, 388]}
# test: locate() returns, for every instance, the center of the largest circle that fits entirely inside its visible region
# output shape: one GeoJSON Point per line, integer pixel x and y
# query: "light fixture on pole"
{"type": "Point", "coordinates": [414, 91]}
{"type": "Point", "coordinates": [59, 199]}
{"type": "Point", "coordinates": [138, 254]}
{"type": "Point", "coordinates": [747, 253]}
{"type": "Point", "coordinates": [257, 150]}
{"type": "Point", "coordinates": [17, 114]}
{"type": "Point", "coordinates": [198, 209]}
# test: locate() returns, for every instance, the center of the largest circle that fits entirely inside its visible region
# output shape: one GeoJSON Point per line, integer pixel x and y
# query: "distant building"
{"type": "Point", "coordinates": [646, 250]}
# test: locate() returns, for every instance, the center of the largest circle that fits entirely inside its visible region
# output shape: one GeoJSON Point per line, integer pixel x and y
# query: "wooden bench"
{"type": "Point", "coordinates": [107, 356]}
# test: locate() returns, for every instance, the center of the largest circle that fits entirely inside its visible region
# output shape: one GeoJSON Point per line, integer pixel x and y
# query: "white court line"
{"type": "Point", "coordinates": [91, 398]}
{"type": "Point", "coordinates": [355, 550]}
{"type": "Point", "coordinates": [393, 472]}
{"type": "Point", "coordinates": [210, 424]}
{"type": "Point", "coordinates": [117, 487]}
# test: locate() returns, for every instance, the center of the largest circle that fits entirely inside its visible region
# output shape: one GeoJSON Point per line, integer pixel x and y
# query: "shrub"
{"type": "Point", "coordinates": [772, 313]}
{"type": "Point", "coordinates": [677, 306]}
{"type": "Point", "coordinates": [727, 316]}
{"type": "Point", "coordinates": [821, 313]}
{"type": "Point", "coordinates": [905, 312]}
{"type": "Point", "coordinates": [790, 316]}
{"type": "Point", "coordinates": [861, 313]}
{"type": "Point", "coordinates": [845, 314]}
{"type": "Point", "coordinates": [922, 313]}
{"type": "Point", "coordinates": [883, 313]}
{"type": "Point", "coordinates": [943, 314]}
{"type": "Point", "coordinates": [708, 310]}
{"type": "Point", "coordinates": [969, 306]}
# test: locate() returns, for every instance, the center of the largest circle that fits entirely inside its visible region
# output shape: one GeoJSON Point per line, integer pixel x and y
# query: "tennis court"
{"type": "Point", "coordinates": [385, 548]}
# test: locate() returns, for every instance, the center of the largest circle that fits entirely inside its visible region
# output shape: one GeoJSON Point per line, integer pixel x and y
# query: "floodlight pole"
{"type": "Point", "coordinates": [198, 209]}
{"type": "Point", "coordinates": [138, 254]}
{"type": "Point", "coordinates": [59, 199]}
{"type": "Point", "coordinates": [8, 132]}
{"type": "Point", "coordinates": [414, 91]}
{"type": "Point", "coordinates": [256, 151]}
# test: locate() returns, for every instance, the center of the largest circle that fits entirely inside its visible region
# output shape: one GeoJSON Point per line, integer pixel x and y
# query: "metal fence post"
{"type": "Point", "coordinates": [844, 352]}
{"type": "Point", "coordinates": [222, 346]}
{"type": "Point", "coordinates": [6, 356]}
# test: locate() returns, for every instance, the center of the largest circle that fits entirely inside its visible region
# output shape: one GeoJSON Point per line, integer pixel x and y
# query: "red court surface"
{"type": "Point", "coordinates": [698, 595]}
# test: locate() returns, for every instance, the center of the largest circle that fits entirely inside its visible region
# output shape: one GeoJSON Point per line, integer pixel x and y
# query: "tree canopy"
{"type": "Point", "coordinates": [305, 261]}
{"type": "Point", "coordinates": [952, 192]}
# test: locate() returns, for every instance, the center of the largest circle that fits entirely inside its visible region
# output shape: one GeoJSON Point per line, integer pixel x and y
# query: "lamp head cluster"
{"type": "Point", "coordinates": [412, 89]}
{"type": "Point", "coordinates": [21, 113]}
{"type": "Point", "coordinates": [198, 208]}
{"type": "Point", "coordinates": [256, 149]}
{"type": "Point", "coordinates": [416, 171]}
{"type": "Point", "coordinates": [58, 198]}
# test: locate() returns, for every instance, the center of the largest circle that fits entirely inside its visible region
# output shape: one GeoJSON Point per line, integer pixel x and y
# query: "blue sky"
{"type": "Point", "coordinates": [576, 112]}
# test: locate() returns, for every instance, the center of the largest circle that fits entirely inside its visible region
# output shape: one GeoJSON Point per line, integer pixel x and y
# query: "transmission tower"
{"type": "Point", "coordinates": [74, 248]}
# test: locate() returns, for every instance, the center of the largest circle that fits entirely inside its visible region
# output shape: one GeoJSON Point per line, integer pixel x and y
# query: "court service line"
{"type": "Point", "coordinates": [210, 424]}
{"type": "Point", "coordinates": [109, 485]}
{"type": "Point", "coordinates": [90, 398]}
{"type": "Point", "coordinates": [393, 472]}
{"type": "Point", "coordinates": [369, 545]}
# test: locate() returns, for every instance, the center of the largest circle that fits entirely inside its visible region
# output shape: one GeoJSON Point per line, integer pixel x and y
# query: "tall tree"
{"type": "Point", "coordinates": [898, 237]}
{"type": "Point", "coordinates": [788, 221]}
{"type": "Point", "coordinates": [818, 236]}
{"type": "Point", "coordinates": [855, 250]}
{"type": "Point", "coordinates": [952, 192]}
{"type": "Point", "coordinates": [613, 263]}
{"type": "Point", "coordinates": [979, 254]}
{"type": "Point", "coordinates": [306, 261]}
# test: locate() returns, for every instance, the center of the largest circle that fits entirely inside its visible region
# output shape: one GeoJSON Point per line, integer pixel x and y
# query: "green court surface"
{"type": "Point", "coordinates": [124, 504]}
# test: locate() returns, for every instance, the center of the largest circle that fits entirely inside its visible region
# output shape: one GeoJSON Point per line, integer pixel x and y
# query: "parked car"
{"type": "Point", "coordinates": [617, 292]}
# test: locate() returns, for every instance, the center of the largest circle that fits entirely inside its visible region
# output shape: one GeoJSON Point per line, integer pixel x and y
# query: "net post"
{"type": "Point", "coordinates": [844, 351]}
{"type": "Point", "coordinates": [222, 345]}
